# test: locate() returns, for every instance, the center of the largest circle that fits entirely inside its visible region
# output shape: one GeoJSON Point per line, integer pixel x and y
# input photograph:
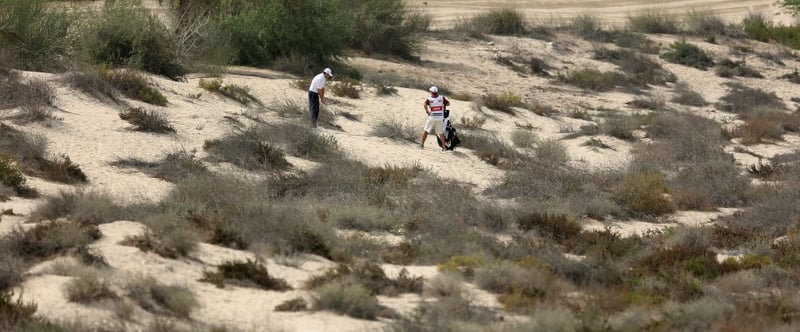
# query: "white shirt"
{"type": "Point", "coordinates": [317, 83]}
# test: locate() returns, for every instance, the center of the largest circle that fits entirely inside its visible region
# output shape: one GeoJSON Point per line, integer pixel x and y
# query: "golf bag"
{"type": "Point", "coordinates": [450, 136]}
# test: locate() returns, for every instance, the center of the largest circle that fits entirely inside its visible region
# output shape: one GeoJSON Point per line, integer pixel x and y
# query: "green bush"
{"type": "Point", "coordinates": [10, 175]}
{"type": "Point", "coordinates": [264, 31]}
{"type": "Point", "coordinates": [126, 33]}
{"type": "Point", "coordinates": [500, 22]}
{"type": "Point", "coordinates": [645, 193]}
{"type": "Point", "coordinates": [688, 55]}
{"type": "Point", "coordinates": [40, 34]}
{"type": "Point", "coordinates": [759, 28]}
{"type": "Point", "coordinates": [384, 26]}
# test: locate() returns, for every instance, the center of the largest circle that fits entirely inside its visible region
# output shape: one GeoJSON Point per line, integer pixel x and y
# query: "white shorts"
{"type": "Point", "coordinates": [434, 126]}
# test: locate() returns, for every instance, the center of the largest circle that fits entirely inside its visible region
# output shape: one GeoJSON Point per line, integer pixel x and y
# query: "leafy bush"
{"type": "Point", "coordinates": [261, 32]}
{"type": "Point", "coordinates": [645, 193]}
{"type": "Point", "coordinates": [126, 33]}
{"type": "Point", "coordinates": [245, 273]}
{"type": "Point", "coordinates": [688, 55]}
{"type": "Point", "coordinates": [758, 27]}
{"type": "Point", "coordinates": [146, 120]}
{"type": "Point", "coordinates": [384, 26]}
{"type": "Point", "coordinates": [39, 34]}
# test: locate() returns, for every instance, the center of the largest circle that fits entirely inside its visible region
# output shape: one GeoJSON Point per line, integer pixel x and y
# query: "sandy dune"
{"type": "Point", "coordinates": [92, 134]}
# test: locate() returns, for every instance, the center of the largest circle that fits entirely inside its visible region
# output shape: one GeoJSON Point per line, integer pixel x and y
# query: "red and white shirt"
{"type": "Point", "coordinates": [436, 105]}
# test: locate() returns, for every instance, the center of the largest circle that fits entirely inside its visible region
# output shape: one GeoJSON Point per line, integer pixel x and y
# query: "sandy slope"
{"type": "Point", "coordinates": [92, 135]}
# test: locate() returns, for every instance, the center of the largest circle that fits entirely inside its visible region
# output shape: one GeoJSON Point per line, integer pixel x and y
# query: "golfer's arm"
{"type": "Point", "coordinates": [321, 93]}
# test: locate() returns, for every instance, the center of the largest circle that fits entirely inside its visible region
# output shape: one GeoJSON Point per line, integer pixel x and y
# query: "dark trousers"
{"type": "Point", "coordinates": [313, 107]}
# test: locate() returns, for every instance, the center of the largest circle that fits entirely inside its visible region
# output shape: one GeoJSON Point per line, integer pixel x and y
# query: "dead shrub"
{"type": "Point", "coordinates": [133, 85]}
{"type": "Point", "coordinates": [171, 240]}
{"type": "Point", "coordinates": [249, 150]}
{"type": "Point", "coordinates": [396, 130]}
{"type": "Point", "coordinates": [593, 79]}
{"type": "Point", "coordinates": [238, 93]}
{"type": "Point", "coordinates": [559, 227]}
{"type": "Point", "coordinates": [162, 299]}
{"type": "Point", "coordinates": [729, 68]}
{"type": "Point", "coordinates": [351, 300]}
{"type": "Point", "coordinates": [88, 286]}
{"type": "Point", "coordinates": [758, 130]}
{"type": "Point", "coordinates": [16, 93]}
{"type": "Point", "coordinates": [51, 238]}
{"type": "Point", "coordinates": [654, 101]}
{"type": "Point", "coordinates": [173, 167]}
{"type": "Point", "coordinates": [92, 83]}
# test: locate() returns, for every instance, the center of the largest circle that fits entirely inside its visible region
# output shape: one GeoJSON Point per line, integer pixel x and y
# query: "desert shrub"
{"type": "Point", "coordinates": [449, 310]}
{"type": "Point", "coordinates": [385, 90]}
{"type": "Point", "coordinates": [652, 21]}
{"type": "Point", "coordinates": [370, 276]}
{"type": "Point", "coordinates": [10, 175]}
{"type": "Point", "coordinates": [793, 77]}
{"type": "Point", "coordinates": [491, 149]}
{"type": "Point", "coordinates": [147, 120]}
{"type": "Point", "coordinates": [592, 79]}
{"type": "Point", "coordinates": [522, 284]}
{"type": "Point", "coordinates": [92, 83]}
{"type": "Point", "coordinates": [503, 102]}
{"type": "Point", "coordinates": [678, 136]}
{"type": "Point", "coordinates": [636, 41]}
{"type": "Point", "coordinates": [653, 101]}
{"type": "Point", "coordinates": [173, 167]}
{"type": "Point", "coordinates": [82, 207]}
{"type": "Point", "coordinates": [50, 238]}
{"type": "Point", "coordinates": [30, 154]}
{"type": "Point", "coordinates": [133, 85]}
{"type": "Point", "coordinates": [394, 129]}
{"type": "Point", "coordinates": [384, 26]}
{"type": "Point", "coordinates": [708, 24]}
{"type": "Point", "coordinates": [473, 122]}
{"type": "Point", "coordinates": [238, 93]}
{"type": "Point", "coordinates": [498, 22]}
{"type": "Point", "coordinates": [249, 150]}
{"type": "Point", "coordinates": [604, 243]}
{"type": "Point", "coordinates": [248, 273]}
{"type": "Point", "coordinates": [729, 68]}
{"type": "Point", "coordinates": [159, 298]}
{"type": "Point", "coordinates": [684, 95]}
{"type": "Point", "coordinates": [773, 215]}
{"type": "Point", "coordinates": [88, 286]}
{"type": "Point", "coordinates": [758, 130]}
{"type": "Point", "coordinates": [125, 33]}
{"type": "Point", "coordinates": [640, 69]}
{"type": "Point", "coordinates": [557, 226]}
{"type": "Point", "coordinates": [590, 28]}
{"type": "Point", "coordinates": [170, 242]}
{"type": "Point", "coordinates": [699, 314]}
{"type": "Point", "coordinates": [523, 138]}
{"type": "Point", "coordinates": [40, 34]}
{"type": "Point", "coordinates": [620, 126]}
{"type": "Point", "coordinates": [688, 54]}
{"type": "Point", "coordinates": [16, 93]}
{"type": "Point", "coordinates": [366, 218]}
{"type": "Point", "coordinates": [644, 193]}
{"type": "Point", "coordinates": [352, 300]}
{"type": "Point", "coordinates": [716, 181]}
{"type": "Point", "coordinates": [295, 304]}
{"type": "Point", "coordinates": [346, 88]}
{"type": "Point", "coordinates": [742, 99]}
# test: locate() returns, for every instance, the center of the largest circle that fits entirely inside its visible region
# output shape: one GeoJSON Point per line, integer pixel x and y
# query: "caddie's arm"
{"type": "Point", "coordinates": [425, 106]}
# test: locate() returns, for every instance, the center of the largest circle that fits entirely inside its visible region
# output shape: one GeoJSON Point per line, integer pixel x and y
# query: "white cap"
{"type": "Point", "coordinates": [434, 89]}
{"type": "Point", "coordinates": [328, 71]}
